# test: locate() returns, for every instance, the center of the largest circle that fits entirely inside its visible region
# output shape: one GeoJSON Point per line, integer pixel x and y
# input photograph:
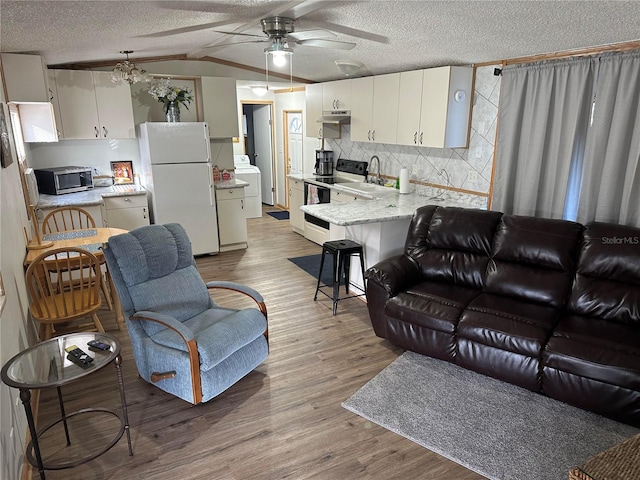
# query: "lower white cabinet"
{"type": "Point", "coordinates": [296, 200]}
{"type": "Point", "coordinates": [232, 218]}
{"type": "Point", "coordinates": [126, 212]}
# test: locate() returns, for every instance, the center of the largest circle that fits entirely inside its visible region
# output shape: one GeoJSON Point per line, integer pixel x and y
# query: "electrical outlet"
{"type": "Point", "coordinates": [414, 171]}
{"type": "Point", "coordinates": [472, 176]}
{"type": "Point", "coordinates": [478, 152]}
{"type": "Point", "coordinates": [481, 128]}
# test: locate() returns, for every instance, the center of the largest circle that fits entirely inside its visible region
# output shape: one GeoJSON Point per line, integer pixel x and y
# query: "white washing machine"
{"type": "Point", "coordinates": [253, 193]}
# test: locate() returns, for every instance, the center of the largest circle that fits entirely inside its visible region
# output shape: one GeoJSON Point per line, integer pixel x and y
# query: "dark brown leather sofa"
{"type": "Point", "coordinates": [550, 305]}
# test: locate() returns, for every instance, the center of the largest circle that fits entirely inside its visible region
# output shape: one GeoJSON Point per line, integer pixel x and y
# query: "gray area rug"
{"type": "Point", "coordinates": [496, 429]}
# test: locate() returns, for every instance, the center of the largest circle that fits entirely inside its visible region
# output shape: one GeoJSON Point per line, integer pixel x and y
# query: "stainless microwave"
{"type": "Point", "coordinates": [59, 180]}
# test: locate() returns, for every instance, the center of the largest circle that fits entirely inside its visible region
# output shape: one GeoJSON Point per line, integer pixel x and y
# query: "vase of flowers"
{"type": "Point", "coordinates": [171, 97]}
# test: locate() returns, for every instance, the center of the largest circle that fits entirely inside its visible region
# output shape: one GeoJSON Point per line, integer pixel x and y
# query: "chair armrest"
{"type": "Point", "coordinates": [238, 288]}
{"type": "Point", "coordinates": [394, 274]}
{"type": "Point", "coordinates": [250, 292]}
{"type": "Point", "coordinates": [166, 320]}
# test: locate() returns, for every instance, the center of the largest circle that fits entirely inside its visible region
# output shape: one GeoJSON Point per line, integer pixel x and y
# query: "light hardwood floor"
{"type": "Point", "coordinates": [282, 421]}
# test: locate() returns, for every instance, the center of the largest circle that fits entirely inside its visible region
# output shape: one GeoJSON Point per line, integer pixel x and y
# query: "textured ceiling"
{"type": "Point", "coordinates": [391, 36]}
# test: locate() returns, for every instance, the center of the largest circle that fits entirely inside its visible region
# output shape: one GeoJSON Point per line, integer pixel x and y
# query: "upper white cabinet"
{"type": "Point", "coordinates": [336, 95]}
{"type": "Point", "coordinates": [313, 112]}
{"type": "Point", "coordinates": [93, 107]}
{"type": "Point", "coordinates": [24, 78]}
{"type": "Point", "coordinates": [374, 108]}
{"type": "Point", "coordinates": [434, 107]}
{"type": "Point", "coordinates": [220, 106]}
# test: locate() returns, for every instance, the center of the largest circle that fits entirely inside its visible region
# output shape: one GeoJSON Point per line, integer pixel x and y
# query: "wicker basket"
{"type": "Point", "coordinates": [621, 462]}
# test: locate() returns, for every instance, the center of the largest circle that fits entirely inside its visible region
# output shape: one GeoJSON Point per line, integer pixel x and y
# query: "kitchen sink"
{"type": "Point", "coordinates": [362, 187]}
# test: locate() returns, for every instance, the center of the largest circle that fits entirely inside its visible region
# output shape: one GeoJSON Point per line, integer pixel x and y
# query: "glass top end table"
{"type": "Point", "coordinates": [46, 365]}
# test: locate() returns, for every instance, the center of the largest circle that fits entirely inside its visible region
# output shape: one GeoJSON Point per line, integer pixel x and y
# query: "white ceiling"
{"type": "Point", "coordinates": [391, 36]}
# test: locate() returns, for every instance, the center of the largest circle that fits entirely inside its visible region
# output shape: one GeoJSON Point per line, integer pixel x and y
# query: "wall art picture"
{"type": "Point", "coordinates": [122, 172]}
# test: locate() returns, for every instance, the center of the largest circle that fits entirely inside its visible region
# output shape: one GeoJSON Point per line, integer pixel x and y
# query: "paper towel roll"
{"type": "Point", "coordinates": [404, 180]}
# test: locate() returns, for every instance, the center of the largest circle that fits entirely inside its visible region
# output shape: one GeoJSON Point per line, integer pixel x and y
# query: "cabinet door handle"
{"type": "Point", "coordinates": [373, 135]}
{"type": "Point", "coordinates": [369, 134]}
{"type": "Point", "coordinates": [242, 203]}
{"type": "Point", "coordinates": [97, 132]}
{"type": "Point", "coordinates": [144, 213]}
{"type": "Point", "coordinates": [104, 131]}
{"type": "Point", "coordinates": [415, 138]}
{"type": "Point", "coordinates": [126, 199]}
{"type": "Point", "coordinates": [50, 95]}
{"type": "Point", "coordinates": [421, 133]}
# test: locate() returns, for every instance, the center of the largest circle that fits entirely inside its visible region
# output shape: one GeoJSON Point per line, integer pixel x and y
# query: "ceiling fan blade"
{"type": "Point", "coordinates": [318, 42]}
{"type": "Point", "coordinates": [226, 32]}
{"type": "Point", "coordinates": [193, 28]}
{"type": "Point", "coordinates": [354, 32]}
{"type": "Point", "coordinates": [218, 46]}
{"type": "Point", "coordinates": [303, 8]}
{"type": "Point", "coordinates": [310, 34]}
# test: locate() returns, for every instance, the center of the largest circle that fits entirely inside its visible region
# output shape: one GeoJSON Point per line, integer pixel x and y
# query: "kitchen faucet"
{"type": "Point", "coordinates": [378, 180]}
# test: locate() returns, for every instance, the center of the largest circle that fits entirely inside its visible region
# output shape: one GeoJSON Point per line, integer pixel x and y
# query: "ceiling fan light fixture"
{"type": "Point", "coordinates": [129, 71]}
{"type": "Point", "coordinates": [348, 67]}
{"type": "Point", "coordinates": [259, 90]}
{"type": "Point", "coordinates": [279, 51]}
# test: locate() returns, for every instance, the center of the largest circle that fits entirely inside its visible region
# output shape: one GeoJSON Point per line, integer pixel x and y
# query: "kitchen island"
{"type": "Point", "coordinates": [379, 219]}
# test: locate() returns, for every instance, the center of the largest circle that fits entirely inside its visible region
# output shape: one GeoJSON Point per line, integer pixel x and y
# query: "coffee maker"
{"type": "Point", "coordinates": [324, 163]}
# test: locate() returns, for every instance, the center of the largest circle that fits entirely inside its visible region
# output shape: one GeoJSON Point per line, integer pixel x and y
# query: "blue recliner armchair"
{"type": "Point", "coordinates": [183, 341]}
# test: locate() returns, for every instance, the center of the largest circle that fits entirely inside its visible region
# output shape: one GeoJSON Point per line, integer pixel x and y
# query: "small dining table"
{"type": "Point", "coordinates": [90, 239]}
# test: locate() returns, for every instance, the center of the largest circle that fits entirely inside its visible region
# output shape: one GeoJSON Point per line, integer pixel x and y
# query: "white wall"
{"type": "Point", "coordinates": [16, 331]}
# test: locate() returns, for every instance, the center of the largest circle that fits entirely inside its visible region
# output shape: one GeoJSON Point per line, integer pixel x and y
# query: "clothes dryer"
{"type": "Point", "coordinates": [253, 193]}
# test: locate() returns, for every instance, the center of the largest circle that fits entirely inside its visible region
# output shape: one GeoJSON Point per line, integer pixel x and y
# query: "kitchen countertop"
{"type": "Point", "coordinates": [381, 206]}
{"type": "Point", "coordinates": [88, 198]}
{"type": "Point", "coordinates": [233, 183]}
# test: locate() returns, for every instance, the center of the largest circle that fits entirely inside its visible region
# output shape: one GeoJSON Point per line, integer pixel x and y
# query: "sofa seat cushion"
{"type": "Point", "coordinates": [221, 331]}
{"type": "Point", "coordinates": [432, 305]}
{"type": "Point", "coordinates": [508, 324]}
{"type": "Point", "coordinates": [596, 349]}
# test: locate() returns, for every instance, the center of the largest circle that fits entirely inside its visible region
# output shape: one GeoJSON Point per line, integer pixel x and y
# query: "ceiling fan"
{"type": "Point", "coordinates": [281, 37]}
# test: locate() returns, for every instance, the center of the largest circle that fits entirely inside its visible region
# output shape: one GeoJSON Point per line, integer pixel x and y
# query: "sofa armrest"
{"type": "Point", "coordinates": [394, 274]}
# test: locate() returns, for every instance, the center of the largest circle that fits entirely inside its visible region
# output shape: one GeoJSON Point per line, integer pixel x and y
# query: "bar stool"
{"type": "Point", "coordinates": [342, 250]}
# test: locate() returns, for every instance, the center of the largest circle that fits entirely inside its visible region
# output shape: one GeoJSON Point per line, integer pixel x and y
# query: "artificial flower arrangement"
{"type": "Point", "coordinates": [162, 91]}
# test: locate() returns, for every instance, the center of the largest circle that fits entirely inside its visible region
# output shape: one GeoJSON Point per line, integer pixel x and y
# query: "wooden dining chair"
{"type": "Point", "coordinates": [64, 286]}
{"type": "Point", "coordinates": [67, 218]}
{"type": "Point", "coordinates": [64, 219]}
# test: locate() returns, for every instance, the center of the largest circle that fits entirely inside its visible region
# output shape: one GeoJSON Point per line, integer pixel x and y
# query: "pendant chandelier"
{"type": "Point", "coordinates": [129, 71]}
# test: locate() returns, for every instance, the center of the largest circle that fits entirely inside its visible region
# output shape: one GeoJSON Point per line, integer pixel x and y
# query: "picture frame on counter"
{"type": "Point", "coordinates": [122, 172]}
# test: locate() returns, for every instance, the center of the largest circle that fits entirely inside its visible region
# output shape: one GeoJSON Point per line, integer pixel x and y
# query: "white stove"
{"type": "Point", "coordinates": [253, 193]}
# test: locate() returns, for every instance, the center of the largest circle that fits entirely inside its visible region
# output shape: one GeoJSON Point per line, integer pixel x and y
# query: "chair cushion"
{"type": "Point", "coordinates": [218, 333]}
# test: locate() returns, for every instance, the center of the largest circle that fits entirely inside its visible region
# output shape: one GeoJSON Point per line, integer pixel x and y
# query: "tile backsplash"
{"type": "Point", "coordinates": [466, 169]}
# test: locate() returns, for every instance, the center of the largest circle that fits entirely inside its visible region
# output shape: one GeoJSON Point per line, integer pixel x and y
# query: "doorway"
{"type": "Point", "coordinates": [258, 143]}
{"type": "Point", "coordinates": [292, 142]}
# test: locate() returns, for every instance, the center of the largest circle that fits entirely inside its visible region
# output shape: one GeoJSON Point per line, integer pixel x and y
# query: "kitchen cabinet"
{"type": "Point", "coordinates": [313, 112]}
{"type": "Point", "coordinates": [336, 95]}
{"type": "Point", "coordinates": [374, 112]}
{"type": "Point", "coordinates": [296, 200]}
{"type": "Point", "coordinates": [342, 197]}
{"type": "Point", "coordinates": [126, 212]}
{"type": "Point", "coordinates": [434, 107]}
{"type": "Point", "coordinates": [220, 106]}
{"type": "Point", "coordinates": [53, 98]}
{"type": "Point", "coordinates": [24, 78]}
{"type": "Point", "coordinates": [93, 107]}
{"type": "Point", "coordinates": [232, 218]}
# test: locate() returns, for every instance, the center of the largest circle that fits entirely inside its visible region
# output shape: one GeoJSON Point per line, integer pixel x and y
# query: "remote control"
{"type": "Point", "coordinates": [98, 346]}
{"type": "Point", "coordinates": [78, 357]}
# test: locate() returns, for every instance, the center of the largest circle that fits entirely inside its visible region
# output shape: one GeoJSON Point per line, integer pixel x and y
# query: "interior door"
{"type": "Point", "coordinates": [264, 153]}
{"type": "Point", "coordinates": [293, 152]}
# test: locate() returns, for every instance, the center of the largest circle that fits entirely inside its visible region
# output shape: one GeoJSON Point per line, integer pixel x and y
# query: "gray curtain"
{"type": "Point", "coordinates": [541, 127]}
{"type": "Point", "coordinates": [610, 190]}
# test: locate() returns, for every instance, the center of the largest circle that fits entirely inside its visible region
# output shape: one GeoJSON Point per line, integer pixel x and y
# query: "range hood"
{"type": "Point", "coordinates": [335, 117]}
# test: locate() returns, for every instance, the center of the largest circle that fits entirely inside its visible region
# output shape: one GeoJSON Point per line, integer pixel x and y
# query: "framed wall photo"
{"type": "Point", "coordinates": [122, 171]}
{"type": "Point", "coordinates": [6, 158]}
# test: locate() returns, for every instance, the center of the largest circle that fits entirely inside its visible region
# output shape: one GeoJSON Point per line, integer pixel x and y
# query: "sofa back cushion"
{"type": "Point", "coordinates": [455, 245]}
{"type": "Point", "coordinates": [607, 283]}
{"type": "Point", "coordinates": [534, 259]}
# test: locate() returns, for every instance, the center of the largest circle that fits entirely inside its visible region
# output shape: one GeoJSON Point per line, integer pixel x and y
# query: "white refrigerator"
{"type": "Point", "coordinates": [177, 173]}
